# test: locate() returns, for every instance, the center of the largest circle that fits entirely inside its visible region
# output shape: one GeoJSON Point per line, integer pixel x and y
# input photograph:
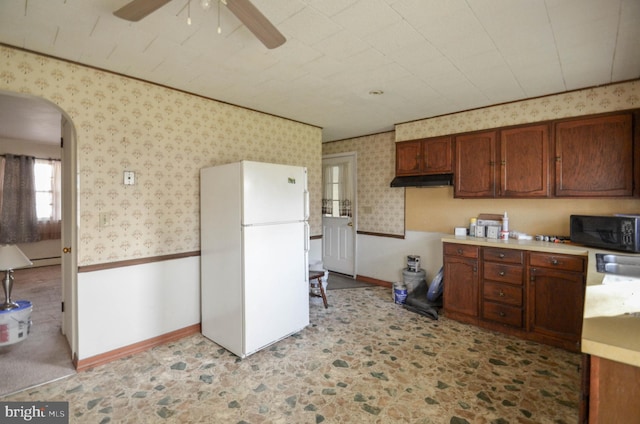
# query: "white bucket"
{"type": "Point", "coordinates": [413, 263]}
{"type": "Point", "coordinates": [399, 293]}
{"type": "Point", "coordinates": [15, 324]}
{"type": "Point", "coordinates": [413, 278]}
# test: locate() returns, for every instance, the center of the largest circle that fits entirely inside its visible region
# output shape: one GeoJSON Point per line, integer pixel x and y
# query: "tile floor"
{"type": "Point", "coordinates": [364, 359]}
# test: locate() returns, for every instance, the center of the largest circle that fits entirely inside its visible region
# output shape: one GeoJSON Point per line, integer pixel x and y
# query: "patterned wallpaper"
{"type": "Point", "coordinates": [376, 168]}
{"type": "Point", "coordinates": [165, 137]}
{"type": "Point", "coordinates": [584, 102]}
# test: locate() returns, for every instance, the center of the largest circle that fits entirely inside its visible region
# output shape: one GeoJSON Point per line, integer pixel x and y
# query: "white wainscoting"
{"type": "Point", "coordinates": [122, 306]}
{"type": "Point", "coordinates": [384, 258]}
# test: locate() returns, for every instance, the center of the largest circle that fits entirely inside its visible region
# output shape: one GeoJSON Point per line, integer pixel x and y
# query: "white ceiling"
{"type": "Point", "coordinates": [430, 57]}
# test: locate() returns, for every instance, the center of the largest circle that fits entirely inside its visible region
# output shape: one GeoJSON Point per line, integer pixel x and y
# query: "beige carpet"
{"type": "Point", "coordinates": [44, 355]}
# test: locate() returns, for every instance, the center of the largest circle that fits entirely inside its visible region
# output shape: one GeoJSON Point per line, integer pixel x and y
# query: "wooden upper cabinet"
{"type": "Point", "coordinates": [408, 158]}
{"type": "Point", "coordinates": [594, 157]}
{"type": "Point", "coordinates": [437, 155]}
{"type": "Point", "coordinates": [422, 157]}
{"type": "Point", "coordinates": [524, 161]}
{"type": "Point", "coordinates": [475, 165]}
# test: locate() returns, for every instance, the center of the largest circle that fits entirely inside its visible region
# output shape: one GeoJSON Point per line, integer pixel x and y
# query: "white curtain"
{"type": "Point", "coordinates": [56, 185]}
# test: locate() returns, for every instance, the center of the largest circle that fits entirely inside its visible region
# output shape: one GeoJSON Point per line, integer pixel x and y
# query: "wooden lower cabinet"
{"type": "Point", "coordinates": [502, 278]}
{"type": "Point", "coordinates": [533, 295]}
{"type": "Point", "coordinates": [460, 291]}
{"type": "Point", "coordinates": [610, 392]}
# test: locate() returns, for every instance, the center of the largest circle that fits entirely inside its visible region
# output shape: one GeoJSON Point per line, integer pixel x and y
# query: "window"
{"type": "Point", "coordinates": [48, 197]}
{"type": "Point", "coordinates": [336, 201]}
{"type": "Point", "coordinates": [44, 179]}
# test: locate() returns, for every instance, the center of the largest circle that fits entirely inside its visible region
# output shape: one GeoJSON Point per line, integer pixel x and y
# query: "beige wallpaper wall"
{"type": "Point", "coordinates": [584, 102]}
{"type": "Point", "coordinates": [380, 207]}
{"type": "Point", "coordinates": [165, 137]}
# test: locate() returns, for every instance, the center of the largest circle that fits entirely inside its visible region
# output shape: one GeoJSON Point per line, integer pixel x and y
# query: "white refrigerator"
{"type": "Point", "coordinates": [254, 254]}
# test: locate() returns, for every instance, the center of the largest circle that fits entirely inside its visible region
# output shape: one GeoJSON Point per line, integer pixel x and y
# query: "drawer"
{"type": "Point", "coordinates": [503, 273]}
{"type": "Point", "coordinates": [563, 262]}
{"type": "Point", "coordinates": [464, 250]}
{"type": "Point", "coordinates": [503, 293]}
{"type": "Point", "coordinates": [503, 255]}
{"type": "Point", "coordinates": [504, 314]}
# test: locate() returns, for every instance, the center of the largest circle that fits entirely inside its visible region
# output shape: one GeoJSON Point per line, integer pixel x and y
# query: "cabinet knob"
{"type": "Point", "coordinates": [501, 273]}
{"type": "Point", "coordinates": [554, 261]}
{"type": "Point", "coordinates": [501, 294]}
{"type": "Point", "coordinates": [501, 255]}
{"type": "Point", "coordinates": [459, 251]}
{"type": "Point", "coordinates": [502, 314]}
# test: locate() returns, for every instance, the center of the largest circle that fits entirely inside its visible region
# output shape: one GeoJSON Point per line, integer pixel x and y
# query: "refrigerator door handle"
{"type": "Point", "coordinates": [306, 205]}
{"type": "Point", "coordinates": [306, 237]}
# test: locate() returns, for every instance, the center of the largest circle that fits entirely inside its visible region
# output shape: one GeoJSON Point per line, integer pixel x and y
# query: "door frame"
{"type": "Point", "coordinates": [353, 158]}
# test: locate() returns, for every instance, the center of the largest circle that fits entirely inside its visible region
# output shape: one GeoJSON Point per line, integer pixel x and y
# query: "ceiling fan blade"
{"type": "Point", "coordinates": [138, 9]}
{"type": "Point", "coordinates": [256, 22]}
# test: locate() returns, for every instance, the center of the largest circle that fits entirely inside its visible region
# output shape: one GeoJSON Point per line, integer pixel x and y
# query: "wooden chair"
{"type": "Point", "coordinates": [315, 282]}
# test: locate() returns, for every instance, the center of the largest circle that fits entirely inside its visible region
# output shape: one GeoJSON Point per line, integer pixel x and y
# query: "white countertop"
{"type": "Point", "coordinates": [611, 320]}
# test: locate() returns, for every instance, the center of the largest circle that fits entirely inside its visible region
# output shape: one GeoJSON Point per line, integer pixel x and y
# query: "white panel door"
{"type": "Point", "coordinates": [276, 288]}
{"type": "Point", "coordinates": [337, 236]}
{"type": "Point", "coordinates": [69, 246]}
{"type": "Point", "coordinates": [273, 193]}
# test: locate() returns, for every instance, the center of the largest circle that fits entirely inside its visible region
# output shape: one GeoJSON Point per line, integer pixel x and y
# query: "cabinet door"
{"type": "Point", "coordinates": [594, 157]}
{"type": "Point", "coordinates": [437, 155]}
{"type": "Point", "coordinates": [524, 161]}
{"type": "Point", "coordinates": [461, 286]}
{"type": "Point", "coordinates": [555, 304]}
{"type": "Point", "coordinates": [614, 392]}
{"type": "Point", "coordinates": [475, 164]}
{"type": "Point", "coordinates": [409, 158]}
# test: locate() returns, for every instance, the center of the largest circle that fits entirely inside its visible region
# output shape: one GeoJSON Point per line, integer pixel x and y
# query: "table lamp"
{"type": "Point", "coordinates": [10, 258]}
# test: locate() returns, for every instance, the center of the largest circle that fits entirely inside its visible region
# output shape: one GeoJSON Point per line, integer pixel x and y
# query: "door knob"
{"type": "Point", "coordinates": [350, 224]}
{"type": "Point", "coordinates": [66, 250]}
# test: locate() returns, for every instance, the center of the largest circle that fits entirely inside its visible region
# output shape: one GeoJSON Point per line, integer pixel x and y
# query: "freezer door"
{"type": "Point", "coordinates": [275, 285]}
{"type": "Point", "coordinates": [273, 193]}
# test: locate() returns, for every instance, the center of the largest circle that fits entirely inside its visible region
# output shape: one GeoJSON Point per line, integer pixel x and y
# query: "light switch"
{"type": "Point", "coordinates": [129, 178]}
{"type": "Point", "coordinates": [104, 219]}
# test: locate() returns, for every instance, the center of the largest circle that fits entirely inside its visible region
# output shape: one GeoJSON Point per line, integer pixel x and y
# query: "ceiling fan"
{"type": "Point", "coordinates": [244, 10]}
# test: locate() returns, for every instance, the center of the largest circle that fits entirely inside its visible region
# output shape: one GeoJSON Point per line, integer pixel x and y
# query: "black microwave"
{"type": "Point", "coordinates": [615, 232]}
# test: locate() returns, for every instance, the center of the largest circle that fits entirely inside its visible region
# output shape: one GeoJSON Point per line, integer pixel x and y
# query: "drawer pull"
{"type": "Point", "coordinates": [501, 294]}
{"type": "Point", "coordinates": [502, 273]}
{"type": "Point", "coordinates": [502, 314]}
{"type": "Point", "coordinates": [501, 256]}
{"type": "Point", "coordinates": [554, 261]}
{"type": "Point", "coordinates": [459, 251]}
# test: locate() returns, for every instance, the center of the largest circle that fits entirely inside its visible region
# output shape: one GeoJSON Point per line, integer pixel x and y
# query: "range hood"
{"type": "Point", "coordinates": [423, 181]}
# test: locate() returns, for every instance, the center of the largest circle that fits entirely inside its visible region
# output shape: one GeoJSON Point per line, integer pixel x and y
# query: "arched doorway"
{"type": "Point", "coordinates": [37, 121]}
